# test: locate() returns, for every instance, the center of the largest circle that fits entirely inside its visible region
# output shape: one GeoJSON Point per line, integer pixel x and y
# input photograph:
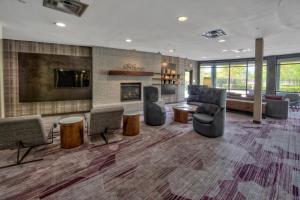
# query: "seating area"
{"type": "Point", "coordinates": [149, 100]}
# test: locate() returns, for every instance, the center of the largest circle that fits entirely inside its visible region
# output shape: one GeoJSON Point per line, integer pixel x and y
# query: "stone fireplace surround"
{"type": "Point", "coordinates": [107, 88]}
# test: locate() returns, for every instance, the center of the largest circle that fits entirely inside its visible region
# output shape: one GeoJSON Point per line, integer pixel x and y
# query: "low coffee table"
{"type": "Point", "coordinates": [182, 111]}
{"type": "Point", "coordinates": [71, 132]}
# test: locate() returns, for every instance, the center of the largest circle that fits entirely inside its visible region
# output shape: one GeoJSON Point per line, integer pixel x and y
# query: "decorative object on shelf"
{"type": "Point", "coordinates": [129, 73]}
{"type": "Point", "coordinates": [169, 75]}
{"type": "Point", "coordinates": [132, 67]}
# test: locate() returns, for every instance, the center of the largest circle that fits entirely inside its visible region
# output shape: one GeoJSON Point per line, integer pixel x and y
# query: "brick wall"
{"type": "Point", "coordinates": [106, 89]}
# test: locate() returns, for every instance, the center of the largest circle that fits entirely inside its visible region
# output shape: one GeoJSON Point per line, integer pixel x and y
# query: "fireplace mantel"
{"type": "Point", "coordinates": [129, 73]}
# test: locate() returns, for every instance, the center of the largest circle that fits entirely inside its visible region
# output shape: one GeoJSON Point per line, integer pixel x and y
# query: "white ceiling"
{"type": "Point", "coordinates": [153, 25]}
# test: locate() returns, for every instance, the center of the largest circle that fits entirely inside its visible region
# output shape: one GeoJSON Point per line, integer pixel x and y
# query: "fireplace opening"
{"type": "Point", "coordinates": [131, 91]}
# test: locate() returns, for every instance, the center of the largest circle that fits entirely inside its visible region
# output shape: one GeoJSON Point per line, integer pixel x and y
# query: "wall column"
{"type": "Point", "coordinates": [259, 51]}
{"type": "Point", "coordinates": [2, 113]}
{"type": "Point", "coordinates": [271, 75]}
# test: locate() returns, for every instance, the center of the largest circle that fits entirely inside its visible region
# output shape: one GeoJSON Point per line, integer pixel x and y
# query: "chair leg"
{"type": "Point", "coordinates": [104, 137]}
{"type": "Point", "coordinates": [19, 160]}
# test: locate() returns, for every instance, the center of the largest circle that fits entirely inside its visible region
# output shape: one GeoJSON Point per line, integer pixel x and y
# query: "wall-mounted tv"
{"type": "Point", "coordinates": [71, 78]}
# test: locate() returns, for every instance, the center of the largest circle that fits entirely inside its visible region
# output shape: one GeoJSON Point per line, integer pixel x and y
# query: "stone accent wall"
{"type": "Point", "coordinates": [106, 88]}
{"type": "Point", "coordinates": [11, 79]}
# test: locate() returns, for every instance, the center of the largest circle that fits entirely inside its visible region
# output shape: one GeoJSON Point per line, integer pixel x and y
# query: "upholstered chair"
{"type": "Point", "coordinates": [193, 91]}
{"type": "Point", "coordinates": [105, 120]}
{"type": "Point", "coordinates": [154, 113]}
{"type": "Point", "coordinates": [23, 132]}
{"type": "Point", "coordinates": [209, 119]}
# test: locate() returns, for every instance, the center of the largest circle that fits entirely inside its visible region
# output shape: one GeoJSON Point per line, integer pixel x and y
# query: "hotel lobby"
{"type": "Point", "coordinates": [160, 99]}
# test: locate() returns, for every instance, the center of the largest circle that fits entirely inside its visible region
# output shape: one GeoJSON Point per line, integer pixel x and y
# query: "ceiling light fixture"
{"type": "Point", "coordinates": [172, 50]}
{"type": "Point", "coordinates": [225, 50]}
{"type": "Point", "coordinates": [60, 24]}
{"type": "Point", "coordinates": [204, 57]}
{"type": "Point", "coordinates": [164, 64]}
{"type": "Point", "coordinates": [222, 40]}
{"type": "Point", "coordinates": [182, 18]}
{"type": "Point", "coordinates": [128, 40]}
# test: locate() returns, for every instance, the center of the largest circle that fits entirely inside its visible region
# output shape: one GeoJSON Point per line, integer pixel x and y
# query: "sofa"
{"type": "Point", "coordinates": [154, 113]}
{"type": "Point", "coordinates": [209, 118]}
{"type": "Point", "coordinates": [273, 106]}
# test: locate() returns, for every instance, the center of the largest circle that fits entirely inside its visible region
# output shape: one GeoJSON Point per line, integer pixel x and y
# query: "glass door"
{"type": "Point", "coordinates": [188, 78]}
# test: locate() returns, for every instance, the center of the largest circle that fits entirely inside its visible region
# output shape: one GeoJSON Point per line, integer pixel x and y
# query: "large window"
{"type": "Point", "coordinates": [222, 76]}
{"type": "Point", "coordinates": [206, 75]}
{"type": "Point", "coordinates": [251, 77]}
{"type": "Point", "coordinates": [289, 75]}
{"type": "Point", "coordinates": [238, 77]}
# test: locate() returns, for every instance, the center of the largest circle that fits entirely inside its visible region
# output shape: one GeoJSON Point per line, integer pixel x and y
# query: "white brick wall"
{"type": "Point", "coordinates": [106, 89]}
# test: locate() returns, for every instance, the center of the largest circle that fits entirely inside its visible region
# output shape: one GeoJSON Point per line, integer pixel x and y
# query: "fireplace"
{"type": "Point", "coordinates": [131, 91]}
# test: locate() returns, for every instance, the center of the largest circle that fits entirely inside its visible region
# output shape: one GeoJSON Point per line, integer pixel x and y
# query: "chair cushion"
{"type": "Point", "coordinates": [203, 118]}
{"type": "Point", "coordinates": [193, 98]}
{"type": "Point", "coordinates": [209, 109]}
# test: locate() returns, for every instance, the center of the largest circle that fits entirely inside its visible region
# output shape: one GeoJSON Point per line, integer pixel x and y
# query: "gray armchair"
{"type": "Point", "coordinates": [104, 121]}
{"type": "Point", "coordinates": [23, 132]}
{"type": "Point", "coordinates": [154, 113]}
{"type": "Point", "coordinates": [209, 119]}
{"type": "Point", "coordinates": [294, 99]}
{"type": "Point", "coordinates": [277, 108]}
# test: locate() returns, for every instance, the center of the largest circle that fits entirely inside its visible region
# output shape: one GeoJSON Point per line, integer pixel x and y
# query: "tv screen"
{"type": "Point", "coordinates": [71, 78]}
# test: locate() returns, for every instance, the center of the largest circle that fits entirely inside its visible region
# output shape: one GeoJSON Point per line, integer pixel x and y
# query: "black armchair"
{"type": "Point", "coordinates": [209, 119]}
{"type": "Point", "coordinates": [154, 114]}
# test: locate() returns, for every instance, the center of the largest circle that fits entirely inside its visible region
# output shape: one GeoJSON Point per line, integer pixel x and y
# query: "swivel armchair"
{"type": "Point", "coordinates": [154, 114]}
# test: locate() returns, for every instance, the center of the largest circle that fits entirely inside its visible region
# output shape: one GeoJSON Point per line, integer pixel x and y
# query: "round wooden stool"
{"type": "Point", "coordinates": [71, 132]}
{"type": "Point", "coordinates": [131, 124]}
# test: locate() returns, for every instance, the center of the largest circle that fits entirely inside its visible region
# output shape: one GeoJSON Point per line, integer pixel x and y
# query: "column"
{"type": "Point", "coordinates": [259, 51]}
{"type": "Point", "coordinates": [1, 74]}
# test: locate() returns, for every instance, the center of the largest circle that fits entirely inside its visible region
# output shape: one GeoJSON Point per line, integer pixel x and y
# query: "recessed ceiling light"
{"type": "Point", "coordinates": [225, 50]}
{"type": "Point", "coordinates": [204, 57]}
{"type": "Point", "coordinates": [172, 50]}
{"type": "Point", "coordinates": [222, 40]}
{"type": "Point", "coordinates": [182, 18]}
{"type": "Point", "coordinates": [128, 40]}
{"type": "Point", "coordinates": [235, 51]}
{"type": "Point", "coordinates": [238, 56]}
{"type": "Point", "coordinates": [246, 50]}
{"type": "Point", "coordinates": [60, 24]}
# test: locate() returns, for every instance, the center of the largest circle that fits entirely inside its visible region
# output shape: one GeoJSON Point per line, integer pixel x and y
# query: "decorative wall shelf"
{"type": "Point", "coordinates": [129, 73]}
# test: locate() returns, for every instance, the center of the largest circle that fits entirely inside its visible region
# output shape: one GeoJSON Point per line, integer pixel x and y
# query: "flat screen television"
{"type": "Point", "coordinates": [71, 78]}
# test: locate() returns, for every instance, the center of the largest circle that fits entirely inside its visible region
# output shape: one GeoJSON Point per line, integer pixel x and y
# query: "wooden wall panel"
{"type": "Point", "coordinates": [11, 79]}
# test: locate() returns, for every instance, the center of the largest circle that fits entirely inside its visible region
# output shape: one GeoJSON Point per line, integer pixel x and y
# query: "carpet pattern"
{"type": "Point", "coordinates": [171, 162]}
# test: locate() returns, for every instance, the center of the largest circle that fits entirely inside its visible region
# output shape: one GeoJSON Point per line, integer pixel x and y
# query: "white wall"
{"type": "Point", "coordinates": [106, 88]}
{"type": "Point", "coordinates": [2, 114]}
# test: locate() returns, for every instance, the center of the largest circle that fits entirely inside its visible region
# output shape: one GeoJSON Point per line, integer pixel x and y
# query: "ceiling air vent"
{"type": "Point", "coordinates": [214, 34]}
{"type": "Point", "coordinates": [74, 7]}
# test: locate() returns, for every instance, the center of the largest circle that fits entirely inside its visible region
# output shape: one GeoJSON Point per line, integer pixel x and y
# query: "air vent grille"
{"type": "Point", "coordinates": [214, 34]}
{"type": "Point", "coordinates": [73, 7]}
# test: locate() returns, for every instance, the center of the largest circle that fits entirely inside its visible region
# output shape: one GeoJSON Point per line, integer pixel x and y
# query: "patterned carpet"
{"type": "Point", "coordinates": [170, 162]}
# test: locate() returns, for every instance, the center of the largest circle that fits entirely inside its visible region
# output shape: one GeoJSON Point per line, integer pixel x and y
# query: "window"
{"type": "Point", "coordinates": [289, 75]}
{"type": "Point", "coordinates": [238, 80]}
{"type": "Point", "coordinates": [187, 82]}
{"type": "Point", "coordinates": [222, 76]}
{"type": "Point", "coordinates": [206, 75]}
{"type": "Point", "coordinates": [251, 77]}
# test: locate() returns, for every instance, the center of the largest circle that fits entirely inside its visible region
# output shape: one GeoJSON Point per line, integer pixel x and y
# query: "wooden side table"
{"type": "Point", "coordinates": [71, 132]}
{"type": "Point", "coordinates": [181, 112]}
{"type": "Point", "coordinates": [131, 124]}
